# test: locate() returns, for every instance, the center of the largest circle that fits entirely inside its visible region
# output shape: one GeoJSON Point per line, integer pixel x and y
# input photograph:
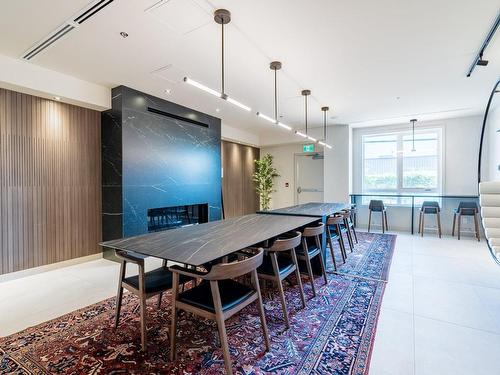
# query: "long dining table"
{"type": "Point", "coordinates": [200, 244]}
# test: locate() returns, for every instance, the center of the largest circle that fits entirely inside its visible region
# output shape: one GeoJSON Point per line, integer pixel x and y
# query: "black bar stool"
{"type": "Point", "coordinates": [378, 206]}
{"type": "Point", "coordinates": [466, 209]}
{"type": "Point", "coordinates": [429, 207]}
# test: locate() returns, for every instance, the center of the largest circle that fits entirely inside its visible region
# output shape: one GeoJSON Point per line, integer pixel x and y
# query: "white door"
{"type": "Point", "coordinates": [308, 178]}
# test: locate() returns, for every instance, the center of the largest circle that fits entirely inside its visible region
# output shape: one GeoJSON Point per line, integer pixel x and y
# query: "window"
{"type": "Point", "coordinates": [394, 164]}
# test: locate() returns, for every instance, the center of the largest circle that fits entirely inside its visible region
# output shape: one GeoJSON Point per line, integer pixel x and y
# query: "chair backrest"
{"type": "Point", "coordinates": [376, 205]}
{"type": "Point", "coordinates": [223, 271]}
{"type": "Point", "coordinates": [314, 231]}
{"type": "Point", "coordinates": [468, 208]}
{"type": "Point", "coordinates": [433, 205]}
{"type": "Point", "coordinates": [286, 241]}
{"type": "Point", "coordinates": [334, 220]}
{"type": "Point", "coordinates": [130, 256]}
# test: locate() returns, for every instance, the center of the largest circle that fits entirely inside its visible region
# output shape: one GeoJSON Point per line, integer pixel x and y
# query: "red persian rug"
{"type": "Point", "coordinates": [333, 335]}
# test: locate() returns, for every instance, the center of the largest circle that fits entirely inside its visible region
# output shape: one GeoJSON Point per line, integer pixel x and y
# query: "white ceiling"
{"type": "Point", "coordinates": [371, 61]}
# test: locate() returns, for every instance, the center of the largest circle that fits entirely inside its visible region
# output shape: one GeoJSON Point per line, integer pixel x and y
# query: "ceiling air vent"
{"type": "Point", "coordinates": [66, 27]}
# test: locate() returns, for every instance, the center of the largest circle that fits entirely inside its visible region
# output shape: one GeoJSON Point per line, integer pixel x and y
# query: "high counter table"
{"type": "Point", "coordinates": [200, 244]}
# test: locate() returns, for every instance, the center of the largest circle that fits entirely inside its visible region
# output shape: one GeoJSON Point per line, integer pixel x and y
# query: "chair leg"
{"type": "Point", "coordinates": [476, 225]}
{"type": "Point", "coordinates": [221, 325]}
{"type": "Point", "coordinates": [419, 221]}
{"type": "Point", "coordinates": [349, 236]}
{"type": "Point", "coordinates": [369, 220]}
{"type": "Point", "coordinates": [310, 272]}
{"type": "Point", "coordinates": [383, 221]}
{"type": "Point", "coordinates": [423, 225]}
{"type": "Point", "coordinates": [341, 243]}
{"type": "Point", "coordinates": [260, 307]}
{"type": "Point", "coordinates": [119, 294]}
{"type": "Point", "coordinates": [299, 281]}
{"type": "Point", "coordinates": [323, 268]}
{"type": "Point", "coordinates": [386, 223]}
{"type": "Point", "coordinates": [439, 224]}
{"type": "Point", "coordinates": [329, 239]}
{"type": "Point", "coordinates": [354, 232]}
{"type": "Point", "coordinates": [453, 228]}
{"type": "Point", "coordinates": [143, 321]}
{"type": "Point", "coordinates": [158, 304]}
{"type": "Point", "coordinates": [274, 261]}
{"type": "Point", "coordinates": [173, 323]}
{"type": "Point", "coordinates": [459, 218]}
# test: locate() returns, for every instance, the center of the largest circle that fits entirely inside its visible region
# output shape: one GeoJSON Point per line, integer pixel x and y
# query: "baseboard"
{"type": "Point", "coordinates": [49, 267]}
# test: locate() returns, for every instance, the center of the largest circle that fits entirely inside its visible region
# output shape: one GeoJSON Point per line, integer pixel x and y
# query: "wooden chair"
{"type": "Point", "coordinates": [334, 232]}
{"type": "Point", "coordinates": [378, 206]}
{"type": "Point", "coordinates": [218, 297]}
{"type": "Point", "coordinates": [349, 222]}
{"type": "Point", "coordinates": [466, 209]}
{"type": "Point", "coordinates": [144, 285]}
{"type": "Point", "coordinates": [280, 261]}
{"type": "Point", "coordinates": [346, 228]}
{"type": "Point", "coordinates": [429, 207]}
{"type": "Point", "coordinates": [310, 248]}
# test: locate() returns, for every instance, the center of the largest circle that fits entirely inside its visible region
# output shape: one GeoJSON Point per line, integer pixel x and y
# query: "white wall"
{"type": "Point", "coordinates": [492, 145]}
{"type": "Point", "coordinates": [336, 167]}
{"type": "Point", "coordinates": [460, 152]}
{"type": "Point", "coordinates": [230, 133]}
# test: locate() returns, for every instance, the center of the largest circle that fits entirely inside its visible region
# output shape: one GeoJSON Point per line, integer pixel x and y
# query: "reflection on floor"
{"type": "Point", "coordinates": [439, 314]}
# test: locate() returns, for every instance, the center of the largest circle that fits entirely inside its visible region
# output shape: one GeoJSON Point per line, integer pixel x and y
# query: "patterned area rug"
{"type": "Point", "coordinates": [333, 335]}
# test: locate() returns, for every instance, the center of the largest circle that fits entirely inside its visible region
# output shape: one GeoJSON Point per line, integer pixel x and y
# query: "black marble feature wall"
{"type": "Point", "coordinates": [156, 154]}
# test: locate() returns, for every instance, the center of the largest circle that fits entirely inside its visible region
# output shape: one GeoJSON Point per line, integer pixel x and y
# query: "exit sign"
{"type": "Point", "coordinates": [308, 148]}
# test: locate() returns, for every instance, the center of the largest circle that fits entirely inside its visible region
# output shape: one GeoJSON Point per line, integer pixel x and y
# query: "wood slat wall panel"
{"type": "Point", "coordinates": [238, 189]}
{"type": "Point", "coordinates": [50, 181]}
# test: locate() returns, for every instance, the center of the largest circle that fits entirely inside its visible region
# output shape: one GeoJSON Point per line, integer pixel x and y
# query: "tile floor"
{"type": "Point", "coordinates": [440, 313]}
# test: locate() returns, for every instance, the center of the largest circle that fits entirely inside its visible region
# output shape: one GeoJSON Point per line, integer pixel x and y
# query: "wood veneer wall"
{"type": "Point", "coordinates": [50, 181]}
{"type": "Point", "coordinates": [238, 189]}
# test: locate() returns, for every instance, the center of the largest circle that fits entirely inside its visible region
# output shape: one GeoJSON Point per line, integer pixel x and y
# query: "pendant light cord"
{"type": "Point", "coordinates": [306, 112]}
{"type": "Point", "coordinates": [223, 89]}
{"type": "Point", "coordinates": [275, 96]}
{"type": "Point", "coordinates": [324, 127]}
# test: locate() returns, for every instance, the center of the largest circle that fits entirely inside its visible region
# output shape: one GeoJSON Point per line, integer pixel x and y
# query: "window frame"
{"type": "Point", "coordinates": [400, 134]}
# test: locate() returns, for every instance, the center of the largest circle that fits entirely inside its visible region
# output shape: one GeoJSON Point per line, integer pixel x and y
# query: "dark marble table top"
{"type": "Point", "coordinates": [200, 244]}
{"type": "Point", "coordinates": [313, 209]}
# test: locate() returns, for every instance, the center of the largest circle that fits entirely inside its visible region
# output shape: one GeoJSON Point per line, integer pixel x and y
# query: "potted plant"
{"type": "Point", "coordinates": [264, 176]}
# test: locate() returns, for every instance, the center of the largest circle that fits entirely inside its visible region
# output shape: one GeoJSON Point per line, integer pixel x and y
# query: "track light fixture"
{"type": "Point", "coordinates": [222, 17]}
{"type": "Point", "coordinates": [275, 66]}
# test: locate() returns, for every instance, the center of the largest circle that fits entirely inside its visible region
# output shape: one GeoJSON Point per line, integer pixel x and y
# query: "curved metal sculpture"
{"type": "Point", "coordinates": [485, 119]}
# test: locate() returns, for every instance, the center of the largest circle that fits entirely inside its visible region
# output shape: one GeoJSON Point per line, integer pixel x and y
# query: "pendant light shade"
{"type": "Point", "coordinates": [222, 17]}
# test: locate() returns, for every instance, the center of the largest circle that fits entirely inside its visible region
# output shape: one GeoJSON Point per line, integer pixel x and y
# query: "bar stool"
{"type": "Point", "coordinates": [310, 248]}
{"type": "Point", "coordinates": [334, 232]}
{"type": "Point", "coordinates": [378, 206]}
{"type": "Point", "coordinates": [429, 207]}
{"type": "Point", "coordinates": [466, 209]}
{"type": "Point", "coordinates": [280, 261]}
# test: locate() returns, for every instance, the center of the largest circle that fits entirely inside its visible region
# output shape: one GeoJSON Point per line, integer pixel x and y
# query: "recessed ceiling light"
{"type": "Point", "coordinates": [217, 109]}
{"type": "Point", "coordinates": [124, 34]}
{"type": "Point", "coordinates": [57, 98]}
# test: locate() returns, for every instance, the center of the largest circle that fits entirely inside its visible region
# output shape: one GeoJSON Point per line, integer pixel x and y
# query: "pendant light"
{"type": "Point", "coordinates": [275, 66]}
{"type": "Point", "coordinates": [222, 17]}
{"type": "Point", "coordinates": [413, 121]}
{"type": "Point", "coordinates": [305, 94]}
{"type": "Point", "coordinates": [323, 143]}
